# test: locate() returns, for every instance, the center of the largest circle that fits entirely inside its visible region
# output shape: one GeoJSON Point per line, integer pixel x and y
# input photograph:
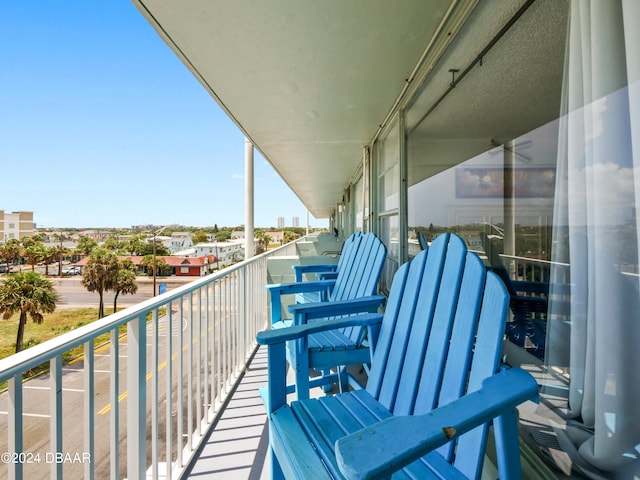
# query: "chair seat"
{"type": "Point", "coordinates": [316, 424]}
{"type": "Point", "coordinates": [331, 341]}
{"type": "Point", "coordinates": [310, 297]}
{"type": "Point", "coordinates": [327, 348]}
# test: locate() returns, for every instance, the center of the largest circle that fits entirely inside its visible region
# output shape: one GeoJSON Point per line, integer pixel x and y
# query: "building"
{"type": "Point", "coordinates": [275, 238]}
{"type": "Point", "coordinates": [227, 253]}
{"type": "Point", "coordinates": [295, 222]}
{"type": "Point", "coordinates": [438, 115]}
{"type": "Point", "coordinates": [515, 123]}
{"type": "Point", "coordinates": [178, 241]}
{"type": "Point", "coordinates": [16, 225]}
{"type": "Point", "coordinates": [99, 235]}
{"type": "Point", "coordinates": [280, 222]}
{"type": "Point", "coordinates": [180, 266]}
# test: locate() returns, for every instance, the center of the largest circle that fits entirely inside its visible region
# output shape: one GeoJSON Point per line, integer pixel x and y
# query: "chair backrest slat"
{"type": "Point", "coordinates": [360, 275]}
{"type": "Point", "coordinates": [440, 306]}
{"type": "Point", "coordinates": [440, 338]}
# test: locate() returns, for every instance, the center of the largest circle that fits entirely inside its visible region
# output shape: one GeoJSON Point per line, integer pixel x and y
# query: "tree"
{"type": "Point", "coordinates": [223, 235]}
{"type": "Point", "coordinates": [30, 294]}
{"type": "Point", "coordinates": [200, 237]}
{"type": "Point", "coordinates": [136, 245]}
{"type": "Point", "coordinates": [60, 252]}
{"type": "Point", "coordinates": [125, 281]}
{"type": "Point", "coordinates": [51, 255]}
{"type": "Point", "coordinates": [161, 250]}
{"type": "Point", "coordinates": [9, 251]}
{"type": "Point", "coordinates": [100, 274]}
{"type": "Point", "coordinates": [112, 243]}
{"type": "Point", "coordinates": [86, 245]}
{"type": "Point", "coordinates": [160, 264]}
{"type": "Point", "coordinates": [289, 236]}
{"type": "Point", "coordinates": [262, 239]}
{"type": "Point", "coordinates": [33, 253]}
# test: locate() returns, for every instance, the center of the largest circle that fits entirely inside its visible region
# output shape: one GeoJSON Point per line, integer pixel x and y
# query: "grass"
{"type": "Point", "coordinates": [54, 324]}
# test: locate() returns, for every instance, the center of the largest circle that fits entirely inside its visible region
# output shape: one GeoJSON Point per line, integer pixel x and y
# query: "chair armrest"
{"type": "Point", "coordinates": [299, 270]}
{"type": "Point", "coordinates": [281, 335]}
{"type": "Point", "coordinates": [327, 275]}
{"type": "Point", "coordinates": [276, 290]}
{"type": "Point", "coordinates": [387, 446]}
{"type": "Point", "coordinates": [302, 287]}
{"type": "Point", "coordinates": [302, 312]}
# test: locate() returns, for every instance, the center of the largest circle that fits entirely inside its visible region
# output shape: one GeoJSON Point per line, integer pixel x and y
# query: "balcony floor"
{"type": "Point", "coordinates": [237, 445]}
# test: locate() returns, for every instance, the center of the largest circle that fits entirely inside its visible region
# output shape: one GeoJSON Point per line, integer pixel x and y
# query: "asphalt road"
{"type": "Point", "coordinates": [74, 295]}
{"type": "Point", "coordinates": [36, 393]}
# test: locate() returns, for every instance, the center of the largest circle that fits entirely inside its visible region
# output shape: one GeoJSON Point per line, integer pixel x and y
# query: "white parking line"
{"type": "Point", "coordinates": [49, 388]}
{"type": "Point", "coordinates": [81, 370]}
{"type": "Point", "coordinates": [28, 414]}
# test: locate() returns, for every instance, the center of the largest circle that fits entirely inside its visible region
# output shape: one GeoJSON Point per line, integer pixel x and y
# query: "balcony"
{"type": "Point", "coordinates": [152, 382]}
{"type": "Point", "coordinates": [165, 389]}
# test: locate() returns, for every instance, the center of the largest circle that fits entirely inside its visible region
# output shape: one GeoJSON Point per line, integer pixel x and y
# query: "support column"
{"type": "Point", "coordinates": [509, 203]}
{"type": "Point", "coordinates": [248, 199]}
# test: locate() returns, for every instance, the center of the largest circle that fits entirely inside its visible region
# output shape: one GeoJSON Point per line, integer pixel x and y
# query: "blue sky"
{"type": "Point", "coordinates": [102, 126]}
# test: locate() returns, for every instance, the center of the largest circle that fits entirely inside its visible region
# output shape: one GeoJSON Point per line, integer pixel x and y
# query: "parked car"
{"type": "Point", "coordinates": [71, 271]}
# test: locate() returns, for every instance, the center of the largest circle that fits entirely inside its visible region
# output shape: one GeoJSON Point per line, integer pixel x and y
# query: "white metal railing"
{"type": "Point", "coordinates": [139, 404]}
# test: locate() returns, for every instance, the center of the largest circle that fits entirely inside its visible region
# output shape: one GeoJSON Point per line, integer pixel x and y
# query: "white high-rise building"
{"type": "Point", "coordinates": [280, 222]}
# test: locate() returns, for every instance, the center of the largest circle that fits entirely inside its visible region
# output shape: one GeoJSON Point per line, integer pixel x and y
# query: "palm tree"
{"type": "Point", "coordinates": [86, 245]}
{"type": "Point", "coordinates": [100, 274]}
{"type": "Point", "coordinates": [125, 282]}
{"type": "Point", "coordinates": [33, 253]}
{"type": "Point", "coordinates": [261, 237]}
{"type": "Point", "coordinates": [136, 245]}
{"type": "Point", "coordinates": [289, 236]}
{"type": "Point", "coordinates": [51, 254]}
{"type": "Point", "coordinates": [60, 252]}
{"type": "Point", "coordinates": [160, 264]}
{"type": "Point", "coordinates": [9, 251]}
{"type": "Point", "coordinates": [30, 294]}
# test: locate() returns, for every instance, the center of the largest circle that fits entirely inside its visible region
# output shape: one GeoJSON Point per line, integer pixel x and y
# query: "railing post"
{"type": "Point", "coordinates": [114, 417]}
{"type": "Point", "coordinates": [243, 311]}
{"type": "Point", "coordinates": [14, 423]}
{"type": "Point", "coordinates": [55, 422]}
{"type": "Point", "coordinates": [137, 398]}
{"type": "Point", "coordinates": [190, 378]}
{"type": "Point", "coordinates": [89, 420]}
{"type": "Point", "coordinates": [169, 391]}
{"type": "Point", "coordinates": [199, 368]}
{"type": "Point", "coordinates": [154, 392]}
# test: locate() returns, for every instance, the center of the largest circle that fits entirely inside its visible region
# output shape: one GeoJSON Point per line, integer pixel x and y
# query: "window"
{"type": "Point", "coordinates": [533, 159]}
{"type": "Point", "coordinates": [388, 180]}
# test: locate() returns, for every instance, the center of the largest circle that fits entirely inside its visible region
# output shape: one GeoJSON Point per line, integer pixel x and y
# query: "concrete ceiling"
{"type": "Point", "coordinates": [307, 81]}
{"type": "Point", "coordinates": [310, 82]}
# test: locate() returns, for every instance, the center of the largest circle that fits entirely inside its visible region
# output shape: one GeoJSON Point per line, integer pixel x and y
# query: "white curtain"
{"type": "Point", "coordinates": [597, 194]}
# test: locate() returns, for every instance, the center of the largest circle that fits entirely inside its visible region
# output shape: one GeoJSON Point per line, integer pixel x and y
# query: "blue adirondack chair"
{"type": "Point", "coordinates": [353, 291]}
{"type": "Point", "coordinates": [435, 383]}
{"type": "Point", "coordinates": [527, 299]}
{"type": "Point", "coordinates": [330, 270]}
